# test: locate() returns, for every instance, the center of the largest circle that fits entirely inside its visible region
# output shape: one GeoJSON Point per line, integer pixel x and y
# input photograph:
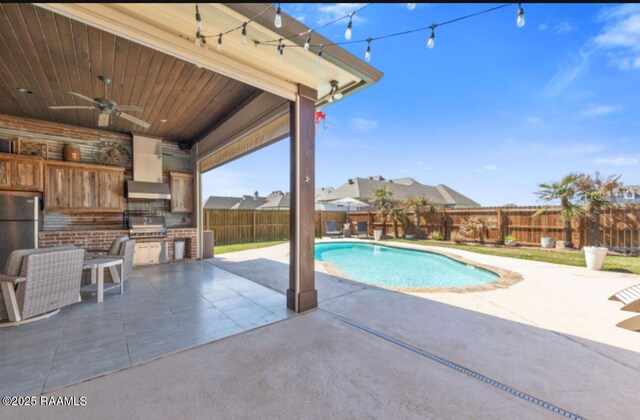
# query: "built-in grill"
{"type": "Point", "coordinates": [147, 227]}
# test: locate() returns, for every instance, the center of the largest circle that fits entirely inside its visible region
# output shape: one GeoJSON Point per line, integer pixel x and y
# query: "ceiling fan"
{"type": "Point", "coordinates": [107, 107]}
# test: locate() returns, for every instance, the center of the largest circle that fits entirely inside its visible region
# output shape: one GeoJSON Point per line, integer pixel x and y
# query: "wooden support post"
{"type": "Point", "coordinates": [302, 295]}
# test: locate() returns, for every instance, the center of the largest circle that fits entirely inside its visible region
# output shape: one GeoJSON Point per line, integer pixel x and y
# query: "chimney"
{"type": "Point", "coordinates": [255, 195]}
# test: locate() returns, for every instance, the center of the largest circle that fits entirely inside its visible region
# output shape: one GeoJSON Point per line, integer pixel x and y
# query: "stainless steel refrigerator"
{"type": "Point", "coordinates": [18, 224]}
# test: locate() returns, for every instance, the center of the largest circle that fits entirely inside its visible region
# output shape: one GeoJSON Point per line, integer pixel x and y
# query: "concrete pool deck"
{"type": "Point", "coordinates": [551, 336]}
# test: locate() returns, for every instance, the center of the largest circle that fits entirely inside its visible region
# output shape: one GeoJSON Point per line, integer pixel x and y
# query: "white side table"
{"type": "Point", "coordinates": [97, 266]}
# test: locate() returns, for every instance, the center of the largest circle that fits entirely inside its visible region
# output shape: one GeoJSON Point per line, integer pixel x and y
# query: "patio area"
{"type": "Point", "coordinates": [164, 309]}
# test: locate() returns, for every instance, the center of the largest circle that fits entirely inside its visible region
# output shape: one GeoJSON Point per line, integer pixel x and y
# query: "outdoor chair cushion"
{"type": "Point", "coordinates": [14, 262]}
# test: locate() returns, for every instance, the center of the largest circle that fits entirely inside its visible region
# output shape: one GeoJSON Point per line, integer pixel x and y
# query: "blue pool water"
{"type": "Point", "coordinates": [397, 267]}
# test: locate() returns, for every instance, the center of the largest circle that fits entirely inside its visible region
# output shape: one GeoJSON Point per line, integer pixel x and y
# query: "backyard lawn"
{"type": "Point", "coordinates": [223, 249]}
{"type": "Point", "coordinates": [612, 263]}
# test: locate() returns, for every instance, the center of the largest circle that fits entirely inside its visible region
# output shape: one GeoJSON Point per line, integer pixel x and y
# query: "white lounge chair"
{"type": "Point", "coordinates": [630, 297]}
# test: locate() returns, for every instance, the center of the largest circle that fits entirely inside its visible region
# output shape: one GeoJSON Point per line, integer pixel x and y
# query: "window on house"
{"type": "Point", "coordinates": [629, 195]}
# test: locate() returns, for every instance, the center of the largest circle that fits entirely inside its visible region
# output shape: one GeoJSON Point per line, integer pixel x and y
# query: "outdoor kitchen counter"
{"type": "Point", "coordinates": [101, 239]}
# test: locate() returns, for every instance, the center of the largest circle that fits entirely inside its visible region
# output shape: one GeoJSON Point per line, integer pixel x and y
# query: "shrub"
{"type": "Point", "coordinates": [437, 236]}
{"type": "Point", "coordinates": [458, 237]}
{"type": "Point", "coordinates": [478, 225]}
{"type": "Point", "coordinates": [510, 238]}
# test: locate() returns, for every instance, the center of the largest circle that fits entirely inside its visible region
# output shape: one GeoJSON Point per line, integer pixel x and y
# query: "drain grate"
{"type": "Point", "coordinates": [461, 369]}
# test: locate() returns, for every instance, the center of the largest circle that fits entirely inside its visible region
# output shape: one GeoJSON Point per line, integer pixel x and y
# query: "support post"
{"type": "Point", "coordinates": [302, 295]}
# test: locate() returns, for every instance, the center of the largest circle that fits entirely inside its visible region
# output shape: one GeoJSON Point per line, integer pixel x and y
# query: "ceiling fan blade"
{"type": "Point", "coordinates": [129, 108]}
{"type": "Point", "coordinates": [134, 120]}
{"type": "Point", "coordinates": [86, 98]}
{"type": "Point", "coordinates": [103, 119]}
{"type": "Point", "coordinates": [71, 107]}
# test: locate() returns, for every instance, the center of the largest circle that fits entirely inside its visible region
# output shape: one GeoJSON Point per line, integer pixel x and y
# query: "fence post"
{"type": "Point", "coordinates": [445, 230]}
{"type": "Point", "coordinates": [500, 225]}
{"type": "Point", "coordinates": [253, 226]}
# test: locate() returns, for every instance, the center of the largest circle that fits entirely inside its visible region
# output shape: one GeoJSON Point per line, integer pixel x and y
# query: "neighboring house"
{"type": "Point", "coordinates": [403, 188]}
{"type": "Point", "coordinates": [275, 201]}
{"type": "Point", "coordinates": [630, 194]}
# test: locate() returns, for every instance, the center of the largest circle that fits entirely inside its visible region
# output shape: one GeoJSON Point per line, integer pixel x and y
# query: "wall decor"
{"type": "Point", "coordinates": [30, 148]}
{"type": "Point", "coordinates": [110, 153]}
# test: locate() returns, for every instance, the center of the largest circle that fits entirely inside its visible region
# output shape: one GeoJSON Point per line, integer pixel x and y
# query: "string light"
{"type": "Point", "coordinates": [320, 53]}
{"type": "Point", "coordinates": [367, 53]}
{"type": "Point", "coordinates": [219, 47]}
{"type": "Point", "coordinates": [520, 20]}
{"type": "Point", "coordinates": [308, 42]}
{"type": "Point", "coordinates": [244, 33]}
{"type": "Point", "coordinates": [432, 38]}
{"type": "Point", "coordinates": [280, 49]}
{"type": "Point", "coordinates": [198, 27]}
{"type": "Point", "coordinates": [278, 20]}
{"type": "Point", "coordinates": [347, 34]}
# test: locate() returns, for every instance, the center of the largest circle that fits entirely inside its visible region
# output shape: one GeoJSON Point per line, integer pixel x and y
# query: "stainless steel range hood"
{"type": "Point", "coordinates": [147, 170]}
{"type": "Point", "coordinates": [148, 190]}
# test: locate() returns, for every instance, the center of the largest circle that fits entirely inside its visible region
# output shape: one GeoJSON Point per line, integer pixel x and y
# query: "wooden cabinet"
{"type": "Point", "coordinates": [80, 187]}
{"type": "Point", "coordinates": [20, 173]}
{"type": "Point", "coordinates": [111, 190]}
{"type": "Point", "coordinates": [181, 193]}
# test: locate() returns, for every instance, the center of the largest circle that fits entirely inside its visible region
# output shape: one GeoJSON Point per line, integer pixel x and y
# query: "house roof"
{"type": "Point", "coordinates": [277, 200]}
{"type": "Point", "coordinates": [215, 202]}
{"type": "Point", "coordinates": [403, 188]}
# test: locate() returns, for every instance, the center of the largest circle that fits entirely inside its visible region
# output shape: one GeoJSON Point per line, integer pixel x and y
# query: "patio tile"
{"type": "Point", "coordinates": [219, 295]}
{"type": "Point", "coordinates": [202, 333]}
{"type": "Point", "coordinates": [25, 375]}
{"type": "Point", "coordinates": [198, 315]}
{"type": "Point", "coordinates": [250, 316]}
{"type": "Point", "coordinates": [155, 342]}
{"type": "Point", "coordinates": [235, 302]}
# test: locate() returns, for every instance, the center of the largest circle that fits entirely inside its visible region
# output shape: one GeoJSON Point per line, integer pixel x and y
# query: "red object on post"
{"type": "Point", "coordinates": [320, 116]}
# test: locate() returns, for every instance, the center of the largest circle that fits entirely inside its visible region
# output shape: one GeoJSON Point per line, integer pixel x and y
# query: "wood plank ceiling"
{"type": "Point", "coordinates": [50, 55]}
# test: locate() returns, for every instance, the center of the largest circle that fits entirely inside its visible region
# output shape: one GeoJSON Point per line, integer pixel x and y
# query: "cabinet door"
{"type": "Point", "coordinates": [181, 194]}
{"type": "Point", "coordinates": [5, 173]}
{"type": "Point", "coordinates": [111, 186]}
{"type": "Point", "coordinates": [154, 253]}
{"type": "Point", "coordinates": [26, 175]}
{"type": "Point", "coordinates": [84, 194]}
{"type": "Point", "coordinates": [58, 180]}
{"type": "Point", "coordinates": [141, 254]}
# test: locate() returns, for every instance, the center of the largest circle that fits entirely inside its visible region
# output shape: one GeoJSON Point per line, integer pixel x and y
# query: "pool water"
{"type": "Point", "coordinates": [389, 266]}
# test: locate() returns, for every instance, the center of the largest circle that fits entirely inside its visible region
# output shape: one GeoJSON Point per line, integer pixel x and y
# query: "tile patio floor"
{"type": "Point", "coordinates": [164, 309]}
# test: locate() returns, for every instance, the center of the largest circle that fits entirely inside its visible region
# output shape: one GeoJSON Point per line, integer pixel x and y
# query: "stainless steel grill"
{"type": "Point", "coordinates": [147, 227]}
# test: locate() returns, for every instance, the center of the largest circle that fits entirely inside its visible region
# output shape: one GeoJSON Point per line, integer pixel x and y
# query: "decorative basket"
{"type": "Point", "coordinates": [71, 153]}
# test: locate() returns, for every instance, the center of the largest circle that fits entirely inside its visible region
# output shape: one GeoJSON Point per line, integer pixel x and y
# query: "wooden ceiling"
{"type": "Point", "coordinates": [50, 55]}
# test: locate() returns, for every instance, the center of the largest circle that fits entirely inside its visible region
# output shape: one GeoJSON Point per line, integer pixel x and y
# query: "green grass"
{"type": "Point", "coordinates": [576, 258]}
{"type": "Point", "coordinates": [223, 249]}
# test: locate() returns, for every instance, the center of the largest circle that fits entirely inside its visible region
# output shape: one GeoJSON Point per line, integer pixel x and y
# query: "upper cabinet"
{"type": "Point", "coordinates": [80, 187]}
{"type": "Point", "coordinates": [181, 193]}
{"type": "Point", "coordinates": [20, 173]}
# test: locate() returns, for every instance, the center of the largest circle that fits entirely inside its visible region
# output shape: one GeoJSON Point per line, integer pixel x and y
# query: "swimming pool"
{"type": "Point", "coordinates": [396, 267]}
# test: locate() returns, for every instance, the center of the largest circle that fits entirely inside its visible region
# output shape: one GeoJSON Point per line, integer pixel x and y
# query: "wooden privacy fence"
{"type": "Point", "coordinates": [242, 226]}
{"type": "Point", "coordinates": [619, 225]}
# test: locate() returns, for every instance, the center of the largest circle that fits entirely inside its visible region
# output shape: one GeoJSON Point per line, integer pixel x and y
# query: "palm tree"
{"type": "Point", "coordinates": [594, 191]}
{"type": "Point", "coordinates": [382, 200]}
{"type": "Point", "coordinates": [564, 190]}
{"type": "Point", "coordinates": [397, 215]}
{"type": "Point", "coordinates": [418, 205]}
{"type": "Point", "coordinates": [480, 225]}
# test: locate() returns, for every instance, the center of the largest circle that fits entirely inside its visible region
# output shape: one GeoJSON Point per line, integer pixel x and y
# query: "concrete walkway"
{"type": "Point", "coordinates": [374, 353]}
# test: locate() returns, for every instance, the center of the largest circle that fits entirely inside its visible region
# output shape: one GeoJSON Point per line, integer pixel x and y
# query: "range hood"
{"type": "Point", "coordinates": [147, 170]}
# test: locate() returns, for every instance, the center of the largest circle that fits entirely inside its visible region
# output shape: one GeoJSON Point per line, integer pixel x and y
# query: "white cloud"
{"type": "Point", "coordinates": [563, 27]}
{"type": "Point", "coordinates": [532, 119]}
{"type": "Point", "coordinates": [491, 168]}
{"type": "Point", "coordinates": [330, 12]}
{"type": "Point", "coordinates": [543, 27]}
{"type": "Point", "coordinates": [620, 37]}
{"type": "Point", "coordinates": [575, 150]}
{"type": "Point", "coordinates": [618, 161]}
{"type": "Point", "coordinates": [362, 124]}
{"type": "Point", "coordinates": [566, 74]}
{"type": "Point", "coordinates": [599, 110]}
{"type": "Point", "coordinates": [411, 6]}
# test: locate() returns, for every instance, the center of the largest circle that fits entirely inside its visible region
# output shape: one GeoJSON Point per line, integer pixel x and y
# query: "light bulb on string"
{"type": "Point", "coordinates": [280, 49]}
{"type": "Point", "coordinates": [320, 53]}
{"type": "Point", "coordinates": [308, 42]}
{"type": "Point", "coordinates": [432, 39]}
{"type": "Point", "coordinates": [199, 20]}
{"type": "Point", "coordinates": [198, 37]}
{"type": "Point", "coordinates": [278, 20]}
{"type": "Point", "coordinates": [219, 47]}
{"type": "Point", "coordinates": [520, 21]}
{"type": "Point", "coordinates": [367, 53]}
{"type": "Point", "coordinates": [244, 33]}
{"type": "Point", "coordinates": [347, 34]}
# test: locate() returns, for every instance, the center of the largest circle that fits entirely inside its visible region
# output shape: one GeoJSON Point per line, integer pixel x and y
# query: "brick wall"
{"type": "Point", "coordinates": [101, 239]}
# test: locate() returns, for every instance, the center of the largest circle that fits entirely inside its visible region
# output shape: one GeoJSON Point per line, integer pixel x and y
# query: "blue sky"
{"type": "Point", "coordinates": [492, 110]}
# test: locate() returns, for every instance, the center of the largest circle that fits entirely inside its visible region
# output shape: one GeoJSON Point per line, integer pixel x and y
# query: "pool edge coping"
{"type": "Point", "coordinates": [506, 277]}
